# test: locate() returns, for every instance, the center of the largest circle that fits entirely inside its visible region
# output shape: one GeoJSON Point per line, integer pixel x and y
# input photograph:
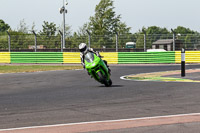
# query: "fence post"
{"type": "Point", "coordinates": [89, 40]}
{"type": "Point", "coordinates": [174, 39]}
{"type": "Point", "coordinates": [61, 35]}
{"type": "Point", "coordinates": [145, 37]}
{"type": "Point", "coordinates": [35, 40]}
{"type": "Point", "coordinates": [9, 41]}
{"type": "Point", "coordinates": [116, 41]}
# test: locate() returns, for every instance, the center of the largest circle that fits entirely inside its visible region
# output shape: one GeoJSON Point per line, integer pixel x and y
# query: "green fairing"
{"type": "Point", "coordinates": [96, 65]}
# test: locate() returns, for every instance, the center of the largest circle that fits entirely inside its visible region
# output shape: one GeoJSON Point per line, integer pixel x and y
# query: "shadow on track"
{"type": "Point", "coordinates": [112, 86]}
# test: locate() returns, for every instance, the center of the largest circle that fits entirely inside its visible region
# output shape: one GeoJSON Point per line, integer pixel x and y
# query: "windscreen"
{"type": "Point", "coordinates": [89, 57]}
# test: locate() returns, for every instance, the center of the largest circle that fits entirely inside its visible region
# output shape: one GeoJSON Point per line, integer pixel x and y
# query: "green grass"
{"type": "Point", "coordinates": [34, 68]}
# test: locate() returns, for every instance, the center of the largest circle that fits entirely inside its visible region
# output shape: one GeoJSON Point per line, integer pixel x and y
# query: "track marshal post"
{"type": "Point", "coordinates": [183, 62]}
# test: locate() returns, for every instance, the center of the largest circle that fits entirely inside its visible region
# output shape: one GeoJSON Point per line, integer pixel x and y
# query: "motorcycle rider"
{"type": "Point", "coordinates": [84, 49]}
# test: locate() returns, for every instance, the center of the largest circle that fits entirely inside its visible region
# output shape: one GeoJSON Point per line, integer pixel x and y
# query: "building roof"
{"type": "Point", "coordinates": [163, 41]}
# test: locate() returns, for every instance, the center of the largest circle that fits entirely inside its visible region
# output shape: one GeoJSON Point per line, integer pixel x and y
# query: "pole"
{"type": "Point", "coordinates": [35, 40]}
{"type": "Point", "coordinates": [116, 41]}
{"type": "Point", "coordinates": [64, 27]}
{"type": "Point", "coordinates": [61, 35]}
{"type": "Point", "coordinates": [63, 11]}
{"type": "Point", "coordinates": [145, 37]}
{"type": "Point", "coordinates": [183, 62]}
{"type": "Point", "coordinates": [9, 41]}
{"type": "Point", "coordinates": [89, 40]}
{"type": "Point", "coordinates": [174, 43]}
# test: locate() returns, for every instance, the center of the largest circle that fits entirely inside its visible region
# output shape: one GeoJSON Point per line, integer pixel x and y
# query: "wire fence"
{"type": "Point", "coordinates": [27, 42]}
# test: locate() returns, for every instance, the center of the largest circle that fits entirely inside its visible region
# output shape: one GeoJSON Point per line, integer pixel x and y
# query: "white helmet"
{"type": "Point", "coordinates": [83, 47]}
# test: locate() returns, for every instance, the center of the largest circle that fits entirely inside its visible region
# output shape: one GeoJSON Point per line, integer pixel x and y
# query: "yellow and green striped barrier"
{"type": "Point", "coordinates": [4, 57]}
{"type": "Point", "coordinates": [190, 57]}
{"type": "Point", "coordinates": [71, 57]}
{"type": "Point", "coordinates": [74, 57]}
{"type": "Point", "coordinates": [145, 57]}
{"type": "Point", "coordinates": [111, 57]}
{"type": "Point", "coordinates": [36, 57]}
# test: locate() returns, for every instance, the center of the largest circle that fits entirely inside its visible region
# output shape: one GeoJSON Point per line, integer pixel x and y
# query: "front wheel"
{"type": "Point", "coordinates": [109, 83]}
{"type": "Point", "coordinates": [103, 80]}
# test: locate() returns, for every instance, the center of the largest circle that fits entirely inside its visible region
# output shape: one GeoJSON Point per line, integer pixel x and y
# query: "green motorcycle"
{"type": "Point", "coordinates": [97, 68]}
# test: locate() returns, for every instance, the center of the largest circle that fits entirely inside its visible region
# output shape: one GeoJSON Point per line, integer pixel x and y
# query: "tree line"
{"type": "Point", "coordinates": [103, 27]}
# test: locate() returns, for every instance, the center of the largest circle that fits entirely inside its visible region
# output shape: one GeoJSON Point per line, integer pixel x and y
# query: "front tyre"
{"type": "Point", "coordinates": [101, 77]}
{"type": "Point", "coordinates": [109, 83]}
{"type": "Point", "coordinates": [103, 80]}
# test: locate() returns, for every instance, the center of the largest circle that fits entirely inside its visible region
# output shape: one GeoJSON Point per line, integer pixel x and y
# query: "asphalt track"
{"type": "Point", "coordinates": [60, 97]}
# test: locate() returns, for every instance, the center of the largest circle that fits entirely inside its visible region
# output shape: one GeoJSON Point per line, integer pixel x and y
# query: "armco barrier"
{"type": "Point", "coordinates": [145, 57]}
{"type": "Point", "coordinates": [4, 57]}
{"type": "Point", "coordinates": [71, 57]}
{"type": "Point", "coordinates": [111, 57]}
{"type": "Point", "coordinates": [190, 57]}
{"type": "Point", "coordinates": [36, 57]}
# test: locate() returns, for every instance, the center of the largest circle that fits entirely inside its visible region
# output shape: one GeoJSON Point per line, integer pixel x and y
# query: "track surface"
{"type": "Point", "coordinates": [56, 97]}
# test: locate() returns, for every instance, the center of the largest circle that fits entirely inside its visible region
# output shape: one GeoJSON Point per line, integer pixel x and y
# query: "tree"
{"type": "Point", "coordinates": [49, 29]}
{"type": "Point", "coordinates": [68, 30]}
{"type": "Point", "coordinates": [105, 21]}
{"type": "Point", "coordinates": [23, 28]}
{"type": "Point", "coordinates": [183, 30]}
{"type": "Point", "coordinates": [33, 27]}
{"type": "Point", "coordinates": [82, 30]}
{"type": "Point", "coordinates": [3, 26]}
{"type": "Point", "coordinates": [104, 25]}
{"type": "Point", "coordinates": [187, 36]}
{"type": "Point", "coordinates": [153, 33]}
{"type": "Point", "coordinates": [47, 35]}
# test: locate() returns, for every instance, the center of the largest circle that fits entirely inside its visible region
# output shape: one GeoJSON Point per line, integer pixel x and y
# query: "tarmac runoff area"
{"type": "Point", "coordinates": [122, 125]}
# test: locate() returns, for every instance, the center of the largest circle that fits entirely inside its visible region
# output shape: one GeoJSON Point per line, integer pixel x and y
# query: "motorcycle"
{"type": "Point", "coordinates": [97, 68]}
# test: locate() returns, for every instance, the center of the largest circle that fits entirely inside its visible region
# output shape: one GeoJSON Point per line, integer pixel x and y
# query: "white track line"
{"type": "Point", "coordinates": [94, 122]}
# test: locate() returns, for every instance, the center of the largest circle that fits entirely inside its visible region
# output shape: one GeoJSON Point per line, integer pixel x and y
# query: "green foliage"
{"type": "Point", "coordinates": [187, 36]}
{"type": "Point", "coordinates": [68, 30]}
{"type": "Point", "coordinates": [47, 36]}
{"type": "Point", "coordinates": [105, 24]}
{"type": "Point", "coordinates": [23, 28]}
{"type": "Point", "coordinates": [183, 30]}
{"type": "Point", "coordinates": [3, 26]}
{"type": "Point", "coordinates": [105, 21]}
{"type": "Point", "coordinates": [49, 29]}
{"type": "Point", "coordinates": [153, 33]}
{"type": "Point", "coordinates": [82, 30]}
{"type": "Point", "coordinates": [20, 40]}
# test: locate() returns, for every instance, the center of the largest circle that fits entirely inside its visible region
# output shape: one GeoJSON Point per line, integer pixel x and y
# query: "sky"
{"type": "Point", "coordinates": [135, 13]}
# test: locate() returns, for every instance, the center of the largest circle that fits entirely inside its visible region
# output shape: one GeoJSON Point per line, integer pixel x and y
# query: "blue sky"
{"type": "Point", "coordinates": [135, 13]}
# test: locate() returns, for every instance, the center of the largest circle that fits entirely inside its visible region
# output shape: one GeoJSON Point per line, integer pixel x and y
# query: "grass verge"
{"type": "Point", "coordinates": [34, 68]}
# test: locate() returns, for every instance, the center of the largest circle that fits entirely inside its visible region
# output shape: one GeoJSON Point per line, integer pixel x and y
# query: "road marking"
{"type": "Point", "coordinates": [108, 124]}
{"type": "Point", "coordinates": [160, 76]}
